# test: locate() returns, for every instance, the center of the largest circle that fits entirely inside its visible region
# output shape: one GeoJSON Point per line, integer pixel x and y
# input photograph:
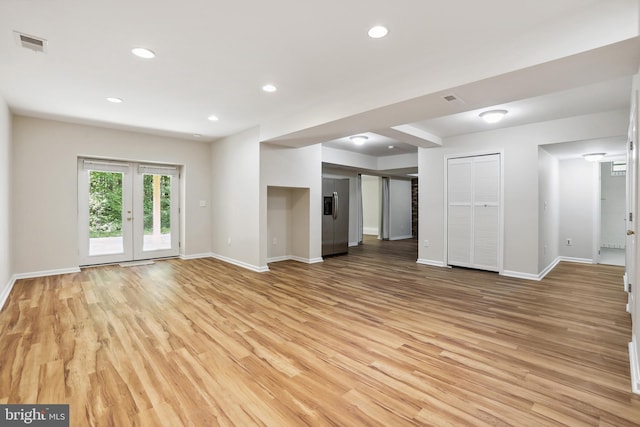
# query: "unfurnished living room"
{"type": "Point", "coordinates": [319, 213]}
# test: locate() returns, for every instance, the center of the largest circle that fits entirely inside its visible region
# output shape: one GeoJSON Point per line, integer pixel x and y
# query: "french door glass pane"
{"type": "Point", "coordinates": [105, 213]}
{"type": "Point", "coordinates": [157, 212]}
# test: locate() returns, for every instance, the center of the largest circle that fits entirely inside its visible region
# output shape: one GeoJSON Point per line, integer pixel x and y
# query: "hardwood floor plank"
{"type": "Point", "coordinates": [371, 338]}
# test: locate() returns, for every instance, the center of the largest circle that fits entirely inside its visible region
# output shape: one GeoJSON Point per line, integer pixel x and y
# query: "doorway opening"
{"type": "Point", "coordinates": [612, 213]}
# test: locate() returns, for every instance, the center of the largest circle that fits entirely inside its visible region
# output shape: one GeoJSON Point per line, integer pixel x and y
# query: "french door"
{"type": "Point", "coordinates": [126, 211]}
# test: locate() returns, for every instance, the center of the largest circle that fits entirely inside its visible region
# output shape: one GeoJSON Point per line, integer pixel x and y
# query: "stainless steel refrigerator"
{"type": "Point", "coordinates": [335, 216]}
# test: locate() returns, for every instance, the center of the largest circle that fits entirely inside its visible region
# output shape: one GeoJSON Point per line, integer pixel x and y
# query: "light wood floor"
{"type": "Point", "coordinates": [367, 339]}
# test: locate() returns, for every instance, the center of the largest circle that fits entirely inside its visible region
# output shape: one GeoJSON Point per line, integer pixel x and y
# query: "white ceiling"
{"type": "Point", "coordinates": [213, 58]}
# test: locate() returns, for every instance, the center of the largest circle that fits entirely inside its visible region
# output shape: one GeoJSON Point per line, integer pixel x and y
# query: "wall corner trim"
{"type": "Point", "coordinates": [240, 263]}
{"type": "Point", "coordinates": [430, 262]}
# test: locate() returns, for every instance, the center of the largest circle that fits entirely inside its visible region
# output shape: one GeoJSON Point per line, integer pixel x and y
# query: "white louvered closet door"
{"type": "Point", "coordinates": [473, 212]}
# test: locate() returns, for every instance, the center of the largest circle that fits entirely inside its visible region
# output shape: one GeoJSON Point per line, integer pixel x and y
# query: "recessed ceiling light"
{"type": "Point", "coordinates": [594, 157]}
{"type": "Point", "coordinates": [269, 88]}
{"type": "Point", "coordinates": [197, 135]}
{"type": "Point", "coordinates": [213, 118]}
{"type": "Point", "coordinates": [114, 100]}
{"type": "Point", "coordinates": [378, 32]}
{"type": "Point", "coordinates": [493, 116]}
{"type": "Point", "coordinates": [391, 147]}
{"type": "Point", "coordinates": [359, 139]}
{"type": "Point", "coordinates": [142, 52]}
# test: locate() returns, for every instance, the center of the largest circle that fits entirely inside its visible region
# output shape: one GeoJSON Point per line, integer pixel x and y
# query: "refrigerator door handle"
{"type": "Point", "coordinates": [335, 205]}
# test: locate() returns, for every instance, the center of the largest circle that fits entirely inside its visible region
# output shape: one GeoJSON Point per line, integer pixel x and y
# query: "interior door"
{"type": "Point", "coordinates": [473, 212]}
{"type": "Point", "coordinates": [126, 211]}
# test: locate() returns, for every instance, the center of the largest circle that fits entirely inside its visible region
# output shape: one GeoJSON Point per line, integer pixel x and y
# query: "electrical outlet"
{"type": "Point", "coordinates": [426, 243]}
{"type": "Point", "coordinates": [228, 241]}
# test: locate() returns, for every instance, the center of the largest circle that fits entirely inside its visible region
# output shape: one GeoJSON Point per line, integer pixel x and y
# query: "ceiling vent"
{"type": "Point", "coordinates": [454, 99]}
{"type": "Point", "coordinates": [31, 42]}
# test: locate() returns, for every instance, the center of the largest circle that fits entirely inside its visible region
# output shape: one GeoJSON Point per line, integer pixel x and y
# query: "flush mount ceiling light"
{"type": "Point", "coordinates": [213, 118]}
{"type": "Point", "coordinates": [378, 32]}
{"type": "Point", "coordinates": [143, 53]}
{"type": "Point", "coordinates": [594, 157]}
{"type": "Point", "coordinates": [359, 139]}
{"type": "Point", "coordinates": [269, 88]}
{"type": "Point", "coordinates": [493, 116]}
{"type": "Point", "coordinates": [114, 100]}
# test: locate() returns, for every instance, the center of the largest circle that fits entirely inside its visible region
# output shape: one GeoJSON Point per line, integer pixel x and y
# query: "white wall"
{"type": "Point", "coordinates": [399, 209]}
{"type": "Point", "coordinates": [612, 215]}
{"type": "Point", "coordinates": [287, 224]}
{"type": "Point", "coordinates": [6, 237]}
{"type": "Point", "coordinates": [299, 169]}
{"type": "Point", "coordinates": [371, 190]}
{"type": "Point", "coordinates": [519, 146]}
{"type": "Point", "coordinates": [44, 215]}
{"type": "Point", "coordinates": [548, 210]}
{"type": "Point", "coordinates": [578, 192]}
{"type": "Point", "coordinates": [235, 185]}
{"type": "Point", "coordinates": [279, 222]}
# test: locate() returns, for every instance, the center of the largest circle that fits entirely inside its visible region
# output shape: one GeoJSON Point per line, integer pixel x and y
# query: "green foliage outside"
{"type": "Point", "coordinates": [165, 204]}
{"type": "Point", "coordinates": [105, 204]}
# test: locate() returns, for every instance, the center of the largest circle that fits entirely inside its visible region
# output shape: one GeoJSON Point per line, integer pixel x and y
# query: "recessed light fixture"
{"type": "Point", "coordinates": [378, 32]}
{"type": "Point", "coordinates": [197, 135]}
{"type": "Point", "coordinates": [114, 100]}
{"type": "Point", "coordinates": [391, 147]}
{"type": "Point", "coordinates": [359, 139]}
{"type": "Point", "coordinates": [594, 157]}
{"type": "Point", "coordinates": [213, 118]}
{"type": "Point", "coordinates": [269, 88]}
{"type": "Point", "coordinates": [493, 116]}
{"type": "Point", "coordinates": [143, 53]}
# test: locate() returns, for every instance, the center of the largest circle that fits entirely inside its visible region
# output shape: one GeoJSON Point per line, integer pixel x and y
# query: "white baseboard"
{"type": "Point", "coordinates": [196, 256]}
{"type": "Point", "coordinates": [401, 237]}
{"type": "Point", "coordinates": [635, 367]}
{"type": "Point", "coordinates": [7, 290]}
{"type": "Point", "coordinates": [47, 273]}
{"type": "Point", "coordinates": [352, 244]}
{"type": "Point", "coordinates": [5, 294]}
{"type": "Point", "coordinates": [548, 269]}
{"type": "Point", "coordinates": [431, 262]}
{"type": "Point", "coordinates": [295, 258]}
{"type": "Point", "coordinates": [370, 231]}
{"type": "Point", "coordinates": [240, 263]}
{"type": "Point", "coordinates": [520, 275]}
{"type": "Point", "coordinates": [578, 260]}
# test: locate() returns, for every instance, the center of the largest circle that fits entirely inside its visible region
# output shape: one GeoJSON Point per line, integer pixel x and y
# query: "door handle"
{"type": "Point", "coordinates": [630, 232]}
{"type": "Point", "coordinates": [335, 205]}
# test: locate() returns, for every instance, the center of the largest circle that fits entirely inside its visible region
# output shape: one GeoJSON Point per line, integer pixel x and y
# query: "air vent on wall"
{"type": "Point", "coordinates": [31, 42]}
